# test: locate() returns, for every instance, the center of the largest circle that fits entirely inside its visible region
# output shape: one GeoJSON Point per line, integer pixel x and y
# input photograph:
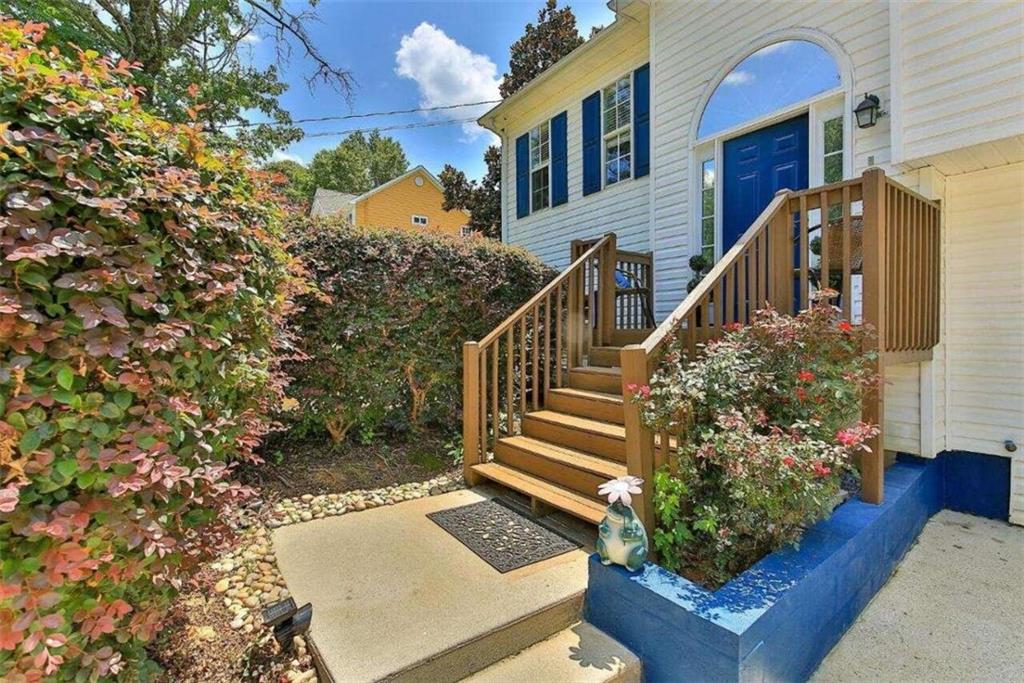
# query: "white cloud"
{"type": "Point", "coordinates": [251, 38]}
{"type": "Point", "coordinates": [774, 47]}
{"type": "Point", "coordinates": [448, 73]}
{"type": "Point", "coordinates": [280, 155]}
{"type": "Point", "coordinates": [738, 78]}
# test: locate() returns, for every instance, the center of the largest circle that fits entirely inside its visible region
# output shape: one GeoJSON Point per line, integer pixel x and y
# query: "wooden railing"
{"type": "Point", "coordinates": [869, 229]}
{"type": "Point", "coordinates": [509, 371]}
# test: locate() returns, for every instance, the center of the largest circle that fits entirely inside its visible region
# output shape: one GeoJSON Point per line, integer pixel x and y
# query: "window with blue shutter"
{"type": "Point", "coordinates": [559, 160]}
{"type": "Point", "coordinates": [591, 124]}
{"type": "Point", "coordinates": [523, 176]}
{"type": "Point", "coordinates": [642, 121]}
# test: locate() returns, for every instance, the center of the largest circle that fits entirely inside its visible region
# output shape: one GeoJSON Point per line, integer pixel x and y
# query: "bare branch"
{"type": "Point", "coordinates": [287, 24]}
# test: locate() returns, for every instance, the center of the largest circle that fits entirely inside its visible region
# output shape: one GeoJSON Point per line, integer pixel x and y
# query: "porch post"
{"type": "Point", "coordinates": [471, 446]}
{"type": "Point", "coordinates": [874, 297]}
{"type": "Point", "coordinates": [606, 289]}
{"type": "Point", "coordinates": [639, 439]}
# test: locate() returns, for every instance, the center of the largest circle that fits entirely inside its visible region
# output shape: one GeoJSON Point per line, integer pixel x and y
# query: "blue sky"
{"type": "Point", "coordinates": [409, 54]}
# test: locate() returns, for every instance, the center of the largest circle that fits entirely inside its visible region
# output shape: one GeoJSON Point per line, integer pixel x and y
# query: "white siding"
{"type": "Point", "coordinates": [984, 316]}
{"type": "Point", "coordinates": [692, 42]}
{"type": "Point", "coordinates": [960, 79]}
{"type": "Point", "coordinates": [622, 208]}
{"type": "Point", "coordinates": [902, 408]}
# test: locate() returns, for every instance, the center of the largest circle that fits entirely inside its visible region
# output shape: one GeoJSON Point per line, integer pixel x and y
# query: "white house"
{"type": "Point", "coordinates": [638, 132]}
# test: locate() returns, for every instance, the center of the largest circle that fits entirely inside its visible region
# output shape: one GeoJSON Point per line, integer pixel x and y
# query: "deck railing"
{"type": "Point", "coordinates": [869, 229]}
{"type": "Point", "coordinates": [507, 372]}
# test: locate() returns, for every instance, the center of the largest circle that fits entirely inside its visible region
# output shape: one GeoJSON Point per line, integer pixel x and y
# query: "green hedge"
{"type": "Point", "coordinates": [385, 352]}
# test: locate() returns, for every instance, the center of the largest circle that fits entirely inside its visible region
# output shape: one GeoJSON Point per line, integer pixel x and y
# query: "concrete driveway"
{"type": "Point", "coordinates": [954, 611]}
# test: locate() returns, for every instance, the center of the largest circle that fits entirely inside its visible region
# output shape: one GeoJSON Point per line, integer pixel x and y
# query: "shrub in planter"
{"type": "Point", "coordinates": [142, 288]}
{"type": "Point", "coordinates": [768, 422]}
{"type": "Point", "coordinates": [385, 349]}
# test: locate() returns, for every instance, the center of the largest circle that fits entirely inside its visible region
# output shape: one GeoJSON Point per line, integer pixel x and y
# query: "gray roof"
{"type": "Point", "coordinates": [330, 202]}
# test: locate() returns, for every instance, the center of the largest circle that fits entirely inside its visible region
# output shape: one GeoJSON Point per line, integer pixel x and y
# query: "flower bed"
{"type": "Point", "coordinates": [767, 420]}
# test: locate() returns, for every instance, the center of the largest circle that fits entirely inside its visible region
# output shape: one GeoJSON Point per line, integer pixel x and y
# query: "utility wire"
{"type": "Point", "coordinates": [394, 112]}
{"type": "Point", "coordinates": [421, 124]}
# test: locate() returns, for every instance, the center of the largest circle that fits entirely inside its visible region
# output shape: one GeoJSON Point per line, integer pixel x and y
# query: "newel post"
{"type": "Point", "coordinates": [639, 439]}
{"type": "Point", "coordinates": [606, 288]}
{"type": "Point", "coordinates": [472, 453]}
{"type": "Point", "coordinates": [873, 313]}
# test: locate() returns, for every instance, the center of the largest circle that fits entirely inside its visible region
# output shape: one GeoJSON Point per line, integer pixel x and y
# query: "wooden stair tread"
{"type": "Point", "coordinates": [598, 370]}
{"type": "Point", "coordinates": [569, 457]}
{"type": "Point", "coordinates": [555, 496]}
{"type": "Point", "coordinates": [578, 423]}
{"type": "Point", "coordinates": [592, 395]}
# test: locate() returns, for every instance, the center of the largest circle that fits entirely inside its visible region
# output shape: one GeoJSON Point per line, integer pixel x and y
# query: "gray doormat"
{"type": "Point", "coordinates": [500, 536]}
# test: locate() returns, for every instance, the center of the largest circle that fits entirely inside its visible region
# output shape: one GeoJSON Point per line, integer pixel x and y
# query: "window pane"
{"type": "Point", "coordinates": [611, 174]}
{"type": "Point", "coordinates": [834, 168]}
{"type": "Point", "coordinates": [539, 181]}
{"type": "Point", "coordinates": [834, 135]}
{"type": "Point", "coordinates": [625, 170]}
{"type": "Point", "coordinates": [707, 235]}
{"type": "Point", "coordinates": [707, 202]}
{"type": "Point", "coordinates": [709, 253]}
{"type": "Point", "coordinates": [708, 173]}
{"type": "Point", "coordinates": [624, 143]}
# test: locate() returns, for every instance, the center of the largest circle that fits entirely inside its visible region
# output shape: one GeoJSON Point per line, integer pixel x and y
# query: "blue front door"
{"type": "Point", "coordinates": [756, 166]}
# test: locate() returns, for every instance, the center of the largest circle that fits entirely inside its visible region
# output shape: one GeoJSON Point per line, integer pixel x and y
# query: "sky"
{"type": "Point", "coordinates": [405, 55]}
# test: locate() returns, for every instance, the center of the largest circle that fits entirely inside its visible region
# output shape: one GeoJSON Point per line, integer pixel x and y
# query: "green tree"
{"type": "Point", "coordinates": [482, 200]}
{"type": "Point", "coordinates": [296, 182]}
{"type": "Point", "coordinates": [207, 43]}
{"type": "Point", "coordinates": [553, 36]}
{"type": "Point", "coordinates": [359, 163]}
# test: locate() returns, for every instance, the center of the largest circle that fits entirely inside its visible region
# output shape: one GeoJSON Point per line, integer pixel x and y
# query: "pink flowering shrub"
{"type": "Point", "coordinates": [768, 419]}
{"type": "Point", "coordinates": [143, 285]}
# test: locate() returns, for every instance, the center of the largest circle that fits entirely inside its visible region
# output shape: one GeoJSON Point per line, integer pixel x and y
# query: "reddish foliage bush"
{"type": "Point", "coordinates": [142, 290]}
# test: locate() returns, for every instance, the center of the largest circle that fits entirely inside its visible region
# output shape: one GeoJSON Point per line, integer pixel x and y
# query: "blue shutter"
{"type": "Point", "coordinates": [642, 121]}
{"type": "Point", "coordinates": [592, 144]}
{"type": "Point", "coordinates": [559, 160]}
{"type": "Point", "coordinates": [523, 176]}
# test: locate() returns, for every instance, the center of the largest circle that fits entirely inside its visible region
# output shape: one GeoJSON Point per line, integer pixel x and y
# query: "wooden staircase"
{"type": "Point", "coordinates": [544, 398]}
{"type": "Point", "coordinates": [571, 446]}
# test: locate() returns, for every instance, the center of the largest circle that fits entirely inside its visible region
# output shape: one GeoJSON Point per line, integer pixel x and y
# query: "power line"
{"type": "Point", "coordinates": [421, 124]}
{"type": "Point", "coordinates": [394, 112]}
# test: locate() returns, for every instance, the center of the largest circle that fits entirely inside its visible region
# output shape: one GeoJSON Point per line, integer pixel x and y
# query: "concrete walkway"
{"type": "Point", "coordinates": [396, 597]}
{"type": "Point", "coordinates": [954, 611]}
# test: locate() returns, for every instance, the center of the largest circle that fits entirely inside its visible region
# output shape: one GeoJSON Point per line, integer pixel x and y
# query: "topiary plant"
{"type": "Point", "coordinates": [142, 292]}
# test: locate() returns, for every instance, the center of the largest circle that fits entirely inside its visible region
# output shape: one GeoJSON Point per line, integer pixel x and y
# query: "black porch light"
{"type": "Point", "coordinates": [867, 111]}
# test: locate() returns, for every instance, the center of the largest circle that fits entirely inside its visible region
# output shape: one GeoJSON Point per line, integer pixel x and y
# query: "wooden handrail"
{"type": "Point", "coordinates": [547, 289]}
{"type": "Point", "coordinates": [668, 326]}
{"type": "Point", "coordinates": [512, 368]}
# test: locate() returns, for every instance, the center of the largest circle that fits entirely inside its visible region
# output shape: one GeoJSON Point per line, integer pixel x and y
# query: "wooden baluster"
{"type": "Point", "coordinates": [471, 454]}
{"type": "Point", "coordinates": [847, 262]}
{"type": "Point", "coordinates": [483, 404]}
{"type": "Point", "coordinates": [874, 298]}
{"type": "Point", "coordinates": [510, 409]}
{"type": "Point", "coordinates": [741, 284]}
{"type": "Point", "coordinates": [639, 439]}
{"type": "Point", "coordinates": [535, 389]}
{"type": "Point", "coordinates": [729, 284]}
{"type": "Point", "coordinates": [824, 266]}
{"type": "Point", "coordinates": [935, 257]}
{"type": "Point", "coordinates": [496, 388]}
{"type": "Point", "coordinates": [592, 326]}
{"type": "Point", "coordinates": [804, 253]}
{"type": "Point", "coordinates": [691, 333]}
{"type": "Point", "coordinates": [570, 303]}
{"type": "Point", "coordinates": [558, 336]}
{"type": "Point", "coordinates": [547, 346]}
{"type": "Point", "coordinates": [522, 366]}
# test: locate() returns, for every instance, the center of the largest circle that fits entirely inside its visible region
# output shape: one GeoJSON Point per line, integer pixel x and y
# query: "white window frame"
{"type": "Point", "coordinates": [465, 231]}
{"type": "Point", "coordinates": [420, 220]}
{"type": "Point", "coordinates": [542, 163]}
{"type": "Point", "coordinates": [607, 136]}
{"type": "Point", "coordinates": [820, 108]}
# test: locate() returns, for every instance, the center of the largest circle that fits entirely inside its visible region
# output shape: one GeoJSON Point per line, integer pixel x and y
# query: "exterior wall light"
{"type": "Point", "coordinates": [868, 111]}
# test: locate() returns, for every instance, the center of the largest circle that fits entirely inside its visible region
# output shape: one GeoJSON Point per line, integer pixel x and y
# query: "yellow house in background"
{"type": "Point", "coordinates": [411, 201]}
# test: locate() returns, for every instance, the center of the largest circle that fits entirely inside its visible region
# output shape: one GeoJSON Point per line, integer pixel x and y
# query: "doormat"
{"type": "Point", "coordinates": [503, 538]}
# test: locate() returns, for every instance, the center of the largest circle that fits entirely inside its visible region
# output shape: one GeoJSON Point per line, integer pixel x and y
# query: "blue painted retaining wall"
{"type": "Point", "coordinates": [976, 483]}
{"type": "Point", "coordinates": [779, 619]}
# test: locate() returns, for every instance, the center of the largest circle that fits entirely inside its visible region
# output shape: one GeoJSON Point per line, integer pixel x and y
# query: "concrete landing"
{"type": "Point", "coordinates": [396, 597]}
{"type": "Point", "coordinates": [952, 611]}
{"type": "Point", "coordinates": [579, 654]}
